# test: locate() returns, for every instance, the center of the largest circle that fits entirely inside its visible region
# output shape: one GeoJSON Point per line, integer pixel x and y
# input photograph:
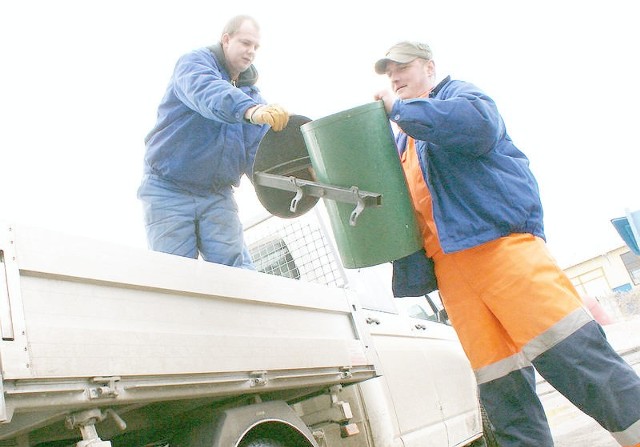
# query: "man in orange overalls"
{"type": "Point", "coordinates": [479, 211]}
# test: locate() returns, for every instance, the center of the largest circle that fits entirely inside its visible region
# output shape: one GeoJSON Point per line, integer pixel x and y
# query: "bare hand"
{"type": "Point", "coordinates": [387, 97]}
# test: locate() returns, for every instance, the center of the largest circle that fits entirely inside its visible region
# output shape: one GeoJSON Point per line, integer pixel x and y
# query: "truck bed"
{"type": "Point", "coordinates": [87, 324]}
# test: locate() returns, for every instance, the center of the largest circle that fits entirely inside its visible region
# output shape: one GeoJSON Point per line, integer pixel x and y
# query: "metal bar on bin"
{"type": "Point", "coordinates": [362, 199]}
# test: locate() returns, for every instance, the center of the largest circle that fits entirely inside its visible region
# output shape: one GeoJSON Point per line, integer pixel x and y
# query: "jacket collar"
{"type": "Point", "coordinates": [437, 88]}
{"type": "Point", "coordinates": [247, 77]}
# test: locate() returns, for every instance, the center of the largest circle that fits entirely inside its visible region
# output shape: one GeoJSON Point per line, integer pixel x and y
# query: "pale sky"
{"type": "Point", "coordinates": [81, 81]}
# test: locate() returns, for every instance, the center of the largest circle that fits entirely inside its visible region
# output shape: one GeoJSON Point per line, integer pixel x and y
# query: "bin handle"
{"type": "Point", "coordinates": [360, 206]}
{"type": "Point", "coordinates": [298, 197]}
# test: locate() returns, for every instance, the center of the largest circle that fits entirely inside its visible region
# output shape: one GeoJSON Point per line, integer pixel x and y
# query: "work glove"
{"type": "Point", "coordinates": [273, 115]}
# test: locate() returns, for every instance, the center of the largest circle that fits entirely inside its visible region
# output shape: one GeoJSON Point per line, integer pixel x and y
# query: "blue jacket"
{"type": "Point", "coordinates": [201, 141]}
{"type": "Point", "coordinates": [480, 183]}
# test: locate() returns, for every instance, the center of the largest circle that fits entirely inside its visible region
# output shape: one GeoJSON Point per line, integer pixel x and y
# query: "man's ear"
{"type": "Point", "coordinates": [431, 67]}
{"type": "Point", "coordinates": [225, 38]}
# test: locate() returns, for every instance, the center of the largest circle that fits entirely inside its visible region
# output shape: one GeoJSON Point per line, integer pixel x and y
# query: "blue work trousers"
{"type": "Point", "coordinates": [189, 225]}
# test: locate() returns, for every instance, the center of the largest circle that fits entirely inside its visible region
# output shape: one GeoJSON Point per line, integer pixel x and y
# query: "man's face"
{"type": "Point", "coordinates": [240, 48]}
{"type": "Point", "coordinates": [411, 80]}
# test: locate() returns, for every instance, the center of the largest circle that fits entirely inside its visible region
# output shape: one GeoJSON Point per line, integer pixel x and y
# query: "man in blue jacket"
{"type": "Point", "coordinates": [479, 211]}
{"type": "Point", "coordinates": [210, 122]}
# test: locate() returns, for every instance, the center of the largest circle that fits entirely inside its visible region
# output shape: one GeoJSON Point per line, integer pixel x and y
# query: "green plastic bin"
{"type": "Point", "coordinates": [356, 147]}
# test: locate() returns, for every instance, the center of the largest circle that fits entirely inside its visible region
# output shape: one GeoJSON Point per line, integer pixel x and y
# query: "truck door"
{"type": "Point", "coordinates": [430, 382]}
{"type": "Point", "coordinates": [451, 372]}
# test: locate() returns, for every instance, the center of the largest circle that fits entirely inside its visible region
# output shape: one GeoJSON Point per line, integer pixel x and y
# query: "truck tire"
{"type": "Point", "coordinates": [264, 442]}
{"type": "Point", "coordinates": [487, 428]}
{"type": "Point", "coordinates": [276, 434]}
{"type": "Point", "coordinates": [488, 438]}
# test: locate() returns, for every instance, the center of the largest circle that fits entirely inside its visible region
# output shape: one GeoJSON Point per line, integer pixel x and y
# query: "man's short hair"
{"type": "Point", "coordinates": [236, 22]}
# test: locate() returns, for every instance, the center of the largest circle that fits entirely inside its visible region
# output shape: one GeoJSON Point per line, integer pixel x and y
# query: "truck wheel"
{"type": "Point", "coordinates": [488, 438]}
{"type": "Point", "coordinates": [264, 443]}
{"type": "Point", "coordinates": [487, 428]}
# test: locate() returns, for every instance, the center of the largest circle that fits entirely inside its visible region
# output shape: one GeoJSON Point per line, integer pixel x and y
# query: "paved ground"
{"type": "Point", "coordinates": [569, 426]}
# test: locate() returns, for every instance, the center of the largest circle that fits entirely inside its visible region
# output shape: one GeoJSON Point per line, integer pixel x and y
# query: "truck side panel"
{"type": "Point", "coordinates": [83, 329]}
{"type": "Point", "coordinates": [90, 324]}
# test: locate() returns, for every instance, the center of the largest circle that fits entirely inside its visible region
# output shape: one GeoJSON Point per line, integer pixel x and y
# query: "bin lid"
{"type": "Point", "coordinates": [284, 153]}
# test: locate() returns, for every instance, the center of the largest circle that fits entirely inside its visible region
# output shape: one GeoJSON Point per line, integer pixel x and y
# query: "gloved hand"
{"type": "Point", "coordinates": [273, 115]}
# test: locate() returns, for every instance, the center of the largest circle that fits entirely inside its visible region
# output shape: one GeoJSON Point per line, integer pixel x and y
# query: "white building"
{"type": "Point", "coordinates": [615, 271]}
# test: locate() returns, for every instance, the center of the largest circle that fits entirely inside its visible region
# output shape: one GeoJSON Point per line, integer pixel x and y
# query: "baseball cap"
{"type": "Point", "coordinates": [403, 53]}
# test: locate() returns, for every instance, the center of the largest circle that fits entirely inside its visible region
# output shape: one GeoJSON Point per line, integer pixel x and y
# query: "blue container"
{"type": "Point", "coordinates": [625, 231]}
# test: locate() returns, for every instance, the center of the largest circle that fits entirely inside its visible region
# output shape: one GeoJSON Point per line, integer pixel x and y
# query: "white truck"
{"type": "Point", "coordinates": [106, 345]}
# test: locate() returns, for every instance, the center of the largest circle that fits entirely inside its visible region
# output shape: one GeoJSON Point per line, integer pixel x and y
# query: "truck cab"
{"type": "Point", "coordinates": [426, 394]}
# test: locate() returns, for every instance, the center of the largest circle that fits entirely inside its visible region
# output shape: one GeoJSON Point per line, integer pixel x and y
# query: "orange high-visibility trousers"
{"type": "Point", "coordinates": [514, 309]}
{"type": "Point", "coordinates": [503, 294]}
